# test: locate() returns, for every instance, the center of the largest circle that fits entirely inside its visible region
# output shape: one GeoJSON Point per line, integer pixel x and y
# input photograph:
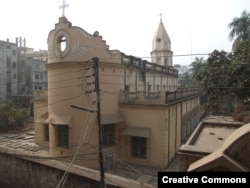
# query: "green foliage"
{"type": "Point", "coordinates": [186, 81]}
{"type": "Point", "coordinates": [224, 77]}
{"type": "Point", "coordinates": [215, 82]}
{"type": "Point", "coordinates": [196, 73]}
{"type": "Point", "coordinates": [240, 71]}
{"type": "Point", "coordinates": [240, 29]}
{"type": "Point", "coordinates": [11, 116]}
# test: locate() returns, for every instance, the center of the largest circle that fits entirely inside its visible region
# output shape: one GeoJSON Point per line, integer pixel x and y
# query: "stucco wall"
{"type": "Point", "coordinates": [145, 118]}
{"type": "Point", "coordinates": [169, 127]}
{"type": "Point", "coordinates": [40, 108]}
{"type": "Point", "coordinates": [21, 173]}
{"type": "Point", "coordinates": [178, 126]}
{"type": "Point", "coordinates": [162, 142]}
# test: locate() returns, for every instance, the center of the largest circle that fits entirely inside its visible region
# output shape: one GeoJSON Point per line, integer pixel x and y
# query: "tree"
{"type": "Point", "coordinates": [240, 71]}
{"type": "Point", "coordinates": [11, 116]}
{"type": "Point", "coordinates": [215, 82]}
{"type": "Point", "coordinates": [226, 75]}
{"type": "Point", "coordinates": [196, 72]}
{"type": "Point", "coordinates": [240, 29]}
{"type": "Point", "coordinates": [186, 80]}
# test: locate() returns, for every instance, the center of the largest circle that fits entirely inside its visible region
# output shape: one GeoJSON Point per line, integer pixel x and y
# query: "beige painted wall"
{"type": "Point", "coordinates": [166, 131]}
{"type": "Point", "coordinates": [64, 91]}
{"type": "Point", "coordinates": [144, 118]}
{"type": "Point", "coordinates": [155, 79]}
{"type": "Point", "coordinates": [40, 108]}
{"type": "Point", "coordinates": [178, 126]}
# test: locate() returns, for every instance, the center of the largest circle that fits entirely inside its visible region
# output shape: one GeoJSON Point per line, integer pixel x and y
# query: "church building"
{"type": "Point", "coordinates": [95, 95]}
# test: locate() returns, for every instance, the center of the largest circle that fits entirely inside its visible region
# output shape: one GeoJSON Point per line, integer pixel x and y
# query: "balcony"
{"type": "Point", "coordinates": [160, 98]}
{"type": "Point", "coordinates": [147, 66]}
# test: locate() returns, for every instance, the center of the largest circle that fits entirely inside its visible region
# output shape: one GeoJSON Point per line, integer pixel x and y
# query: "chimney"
{"type": "Point", "coordinates": [20, 41]}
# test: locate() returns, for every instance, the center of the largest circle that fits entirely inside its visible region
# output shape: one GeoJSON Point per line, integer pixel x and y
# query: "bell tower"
{"type": "Point", "coordinates": [161, 47]}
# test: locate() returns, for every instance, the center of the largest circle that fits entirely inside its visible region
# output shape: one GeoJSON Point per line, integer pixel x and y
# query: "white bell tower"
{"type": "Point", "coordinates": [161, 47]}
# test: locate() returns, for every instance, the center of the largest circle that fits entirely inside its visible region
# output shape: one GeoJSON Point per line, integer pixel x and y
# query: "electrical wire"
{"type": "Point", "coordinates": [82, 138]}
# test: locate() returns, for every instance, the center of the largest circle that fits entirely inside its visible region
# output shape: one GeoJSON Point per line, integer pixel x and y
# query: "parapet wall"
{"type": "Point", "coordinates": [18, 171]}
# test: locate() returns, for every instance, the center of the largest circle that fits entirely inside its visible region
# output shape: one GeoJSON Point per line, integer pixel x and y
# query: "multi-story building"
{"type": "Point", "coordinates": [184, 72]}
{"type": "Point", "coordinates": [39, 55]}
{"type": "Point", "coordinates": [144, 117]}
{"type": "Point", "coordinates": [21, 69]}
{"type": "Point", "coordinates": [8, 68]}
{"type": "Point", "coordinates": [37, 77]}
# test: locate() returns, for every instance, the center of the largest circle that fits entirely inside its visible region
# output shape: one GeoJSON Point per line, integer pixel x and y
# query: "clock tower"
{"type": "Point", "coordinates": [161, 47]}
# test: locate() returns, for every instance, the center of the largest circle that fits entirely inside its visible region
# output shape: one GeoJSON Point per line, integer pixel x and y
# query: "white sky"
{"type": "Point", "coordinates": [194, 26]}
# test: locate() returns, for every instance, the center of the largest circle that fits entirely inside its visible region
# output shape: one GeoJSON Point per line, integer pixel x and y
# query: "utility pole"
{"type": "Point", "coordinates": [97, 87]}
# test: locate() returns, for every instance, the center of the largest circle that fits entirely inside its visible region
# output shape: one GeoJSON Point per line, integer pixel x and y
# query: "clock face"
{"type": "Point", "coordinates": [61, 43]}
{"type": "Point", "coordinates": [159, 39]}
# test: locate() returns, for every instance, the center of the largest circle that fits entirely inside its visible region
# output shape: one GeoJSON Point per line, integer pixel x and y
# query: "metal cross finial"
{"type": "Point", "coordinates": [161, 15]}
{"type": "Point", "coordinates": [63, 6]}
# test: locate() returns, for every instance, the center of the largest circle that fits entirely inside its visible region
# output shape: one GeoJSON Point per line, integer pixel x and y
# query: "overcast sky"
{"type": "Point", "coordinates": [194, 26]}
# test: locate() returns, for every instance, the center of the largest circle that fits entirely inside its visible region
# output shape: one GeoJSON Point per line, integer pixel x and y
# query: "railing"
{"type": "Point", "coordinates": [130, 96]}
{"type": "Point", "coordinates": [162, 97]}
{"type": "Point", "coordinates": [138, 62]}
{"type": "Point", "coordinates": [141, 97]}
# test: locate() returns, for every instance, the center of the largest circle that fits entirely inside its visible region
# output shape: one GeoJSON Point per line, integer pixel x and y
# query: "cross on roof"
{"type": "Point", "coordinates": [161, 15]}
{"type": "Point", "coordinates": [63, 6]}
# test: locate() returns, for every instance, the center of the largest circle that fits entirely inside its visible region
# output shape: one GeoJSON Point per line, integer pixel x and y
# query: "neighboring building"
{"type": "Point", "coordinates": [37, 77]}
{"type": "Point", "coordinates": [144, 118]}
{"type": "Point", "coordinates": [214, 144]}
{"type": "Point", "coordinates": [39, 55]}
{"type": "Point", "coordinates": [8, 69]}
{"type": "Point", "coordinates": [182, 71]}
{"type": "Point", "coordinates": [17, 69]}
